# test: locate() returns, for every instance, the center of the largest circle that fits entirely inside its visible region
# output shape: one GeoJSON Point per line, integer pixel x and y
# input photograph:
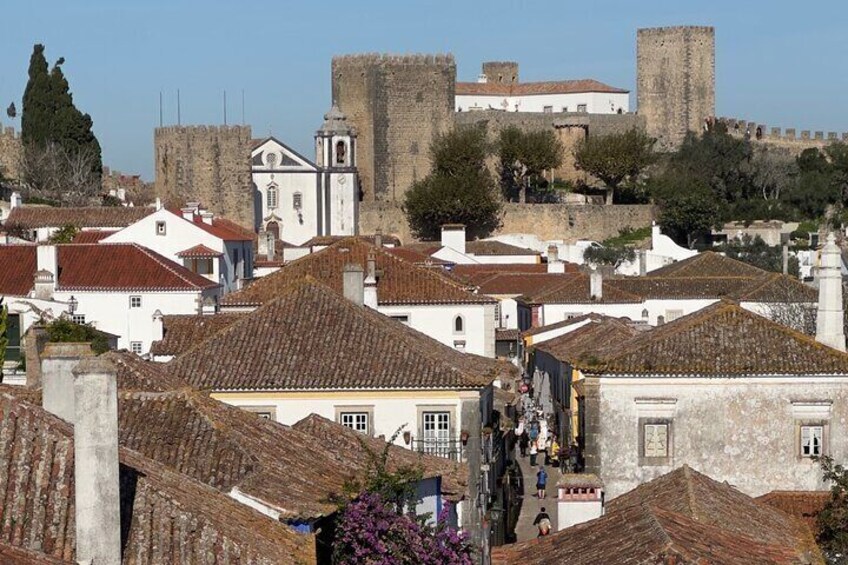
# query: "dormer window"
{"type": "Point", "coordinates": [341, 152]}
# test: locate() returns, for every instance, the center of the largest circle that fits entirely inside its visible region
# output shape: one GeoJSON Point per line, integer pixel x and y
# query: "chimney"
{"type": "Point", "coordinates": [15, 201]}
{"type": "Point", "coordinates": [829, 319]}
{"type": "Point", "coordinates": [353, 285]}
{"type": "Point", "coordinates": [158, 325]}
{"type": "Point", "coordinates": [554, 264]}
{"type": "Point", "coordinates": [453, 236]}
{"type": "Point", "coordinates": [96, 479]}
{"type": "Point", "coordinates": [785, 258]}
{"type": "Point", "coordinates": [158, 203]}
{"type": "Point", "coordinates": [370, 287]}
{"type": "Point", "coordinates": [188, 213]}
{"type": "Point", "coordinates": [47, 270]}
{"type": "Point", "coordinates": [378, 238]}
{"type": "Point", "coordinates": [643, 262]}
{"type": "Point", "coordinates": [57, 380]}
{"type": "Point", "coordinates": [655, 233]}
{"type": "Point", "coordinates": [580, 498]}
{"type": "Point", "coordinates": [596, 284]}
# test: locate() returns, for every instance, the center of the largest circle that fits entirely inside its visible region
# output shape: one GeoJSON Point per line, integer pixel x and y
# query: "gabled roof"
{"type": "Point", "coordinates": [531, 88]}
{"type": "Point", "coordinates": [327, 240]}
{"type": "Point", "coordinates": [199, 250]}
{"type": "Point", "coordinates": [652, 287]}
{"type": "Point", "coordinates": [516, 283]}
{"type": "Point", "coordinates": [174, 518]}
{"type": "Point", "coordinates": [475, 270]}
{"type": "Point", "coordinates": [801, 505]}
{"type": "Point", "coordinates": [576, 289]}
{"type": "Point", "coordinates": [17, 275]}
{"type": "Point", "coordinates": [182, 332]}
{"type": "Point", "coordinates": [310, 337]}
{"type": "Point", "coordinates": [708, 264]}
{"type": "Point", "coordinates": [588, 344]}
{"type": "Point", "coordinates": [684, 517]}
{"type": "Point", "coordinates": [720, 340]}
{"type": "Point", "coordinates": [297, 160]}
{"type": "Point", "coordinates": [398, 282]}
{"type": "Point", "coordinates": [92, 236]}
{"type": "Point", "coordinates": [32, 217]}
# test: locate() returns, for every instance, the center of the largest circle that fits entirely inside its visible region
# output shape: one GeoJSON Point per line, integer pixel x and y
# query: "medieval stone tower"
{"type": "Point", "coordinates": [675, 82]}
{"type": "Point", "coordinates": [502, 72]}
{"type": "Point", "coordinates": [206, 164]}
{"type": "Point", "coordinates": [397, 104]}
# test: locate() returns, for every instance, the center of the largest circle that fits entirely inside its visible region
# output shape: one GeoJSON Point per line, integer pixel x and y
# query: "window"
{"type": "Point", "coordinates": [135, 302]}
{"type": "Point", "coordinates": [135, 347]}
{"type": "Point", "coordinates": [548, 109]}
{"type": "Point", "coordinates": [435, 436]}
{"type": "Point", "coordinates": [297, 200]}
{"type": "Point", "coordinates": [402, 318]}
{"type": "Point", "coordinates": [271, 196]}
{"type": "Point", "coordinates": [264, 412]}
{"type": "Point", "coordinates": [199, 265]}
{"type": "Point", "coordinates": [812, 441]}
{"type": "Point", "coordinates": [357, 421]}
{"type": "Point", "coordinates": [671, 315]}
{"type": "Point", "coordinates": [160, 228]}
{"type": "Point", "coordinates": [459, 346]}
{"type": "Point", "coordinates": [581, 108]}
{"type": "Point", "coordinates": [78, 318]}
{"type": "Point", "coordinates": [656, 440]}
{"type": "Point", "coordinates": [458, 325]}
{"type": "Point", "coordinates": [498, 323]}
{"type": "Point", "coordinates": [565, 108]}
{"type": "Point", "coordinates": [13, 334]}
{"type": "Point", "coordinates": [341, 153]}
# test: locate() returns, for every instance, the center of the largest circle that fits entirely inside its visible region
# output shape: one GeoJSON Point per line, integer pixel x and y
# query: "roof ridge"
{"type": "Point", "coordinates": [691, 499]}
{"type": "Point", "coordinates": [159, 260]}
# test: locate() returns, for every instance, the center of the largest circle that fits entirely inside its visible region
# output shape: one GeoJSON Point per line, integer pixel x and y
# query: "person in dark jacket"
{"type": "Point", "coordinates": [523, 443]}
{"type": "Point", "coordinates": [543, 521]}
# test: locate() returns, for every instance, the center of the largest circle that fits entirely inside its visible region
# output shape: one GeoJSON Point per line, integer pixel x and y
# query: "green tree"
{"type": "Point", "coordinates": [524, 157]}
{"type": "Point", "coordinates": [758, 253]}
{"type": "Point", "coordinates": [832, 521]}
{"type": "Point", "coordinates": [613, 255]}
{"type": "Point", "coordinates": [616, 158]}
{"type": "Point", "coordinates": [688, 209]}
{"type": "Point", "coordinates": [39, 105]}
{"type": "Point", "coordinates": [459, 189]}
{"type": "Point", "coordinates": [65, 330]}
{"type": "Point", "coordinates": [65, 234]}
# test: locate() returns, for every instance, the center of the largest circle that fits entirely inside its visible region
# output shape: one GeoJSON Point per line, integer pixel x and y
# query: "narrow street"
{"type": "Point", "coordinates": [531, 505]}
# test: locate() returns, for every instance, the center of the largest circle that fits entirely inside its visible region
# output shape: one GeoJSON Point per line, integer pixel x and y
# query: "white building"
{"type": "Point", "coordinates": [214, 248]}
{"type": "Point", "coordinates": [119, 288]}
{"type": "Point", "coordinates": [423, 298]}
{"type": "Point", "coordinates": [509, 95]}
{"type": "Point", "coordinates": [301, 199]}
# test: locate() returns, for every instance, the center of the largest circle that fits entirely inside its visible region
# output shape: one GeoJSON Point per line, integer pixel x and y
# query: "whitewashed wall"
{"type": "Point", "coordinates": [437, 321]}
{"type": "Point", "coordinates": [596, 102]}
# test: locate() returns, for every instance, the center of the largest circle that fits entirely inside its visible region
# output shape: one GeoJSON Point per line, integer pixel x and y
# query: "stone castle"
{"type": "Point", "coordinates": [10, 153]}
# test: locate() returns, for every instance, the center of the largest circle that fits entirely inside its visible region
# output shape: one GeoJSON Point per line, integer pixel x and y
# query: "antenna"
{"type": "Point", "coordinates": [225, 107]}
{"type": "Point", "coordinates": [179, 121]}
{"type": "Point", "coordinates": [160, 109]}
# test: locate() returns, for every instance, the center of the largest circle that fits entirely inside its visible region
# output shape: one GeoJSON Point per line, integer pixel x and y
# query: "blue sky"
{"type": "Point", "coordinates": [778, 62]}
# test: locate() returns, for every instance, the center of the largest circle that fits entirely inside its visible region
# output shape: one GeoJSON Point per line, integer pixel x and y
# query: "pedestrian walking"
{"type": "Point", "coordinates": [554, 452]}
{"type": "Point", "coordinates": [533, 452]}
{"type": "Point", "coordinates": [523, 442]}
{"type": "Point", "coordinates": [543, 522]}
{"type": "Point", "coordinates": [541, 481]}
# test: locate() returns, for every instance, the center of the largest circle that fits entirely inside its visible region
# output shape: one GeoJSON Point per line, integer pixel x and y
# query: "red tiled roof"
{"type": "Point", "coordinates": [415, 256]}
{"type": "Point", "coordinates": [576, 289]}
{"type": "Point", "coordinates": [590, 342]}
{"type": "Point", "coordinates": [802, 505]}
{"type": "Point", "coordinates": [225, 229]}
{"type": "Point", "coordinates": [531, 88]}
{"type": "Point", "coordinates": [17, 269]}
{"type": "Point", "coordinates": [92, 236]}
{"type": "Point", "coordinates": [181, 333]}
{"type": "Point", "coordinates": [111, 266]}
{"type": "Point", "coordinates": [683, 517]}
{"type": "Point", "coordinates": [467, 272]}
{"type": "Point", "coordinates": [517, 283]}
{"type": "Point", "coordinates": [326, 240]}
{"type": "Point", "coordinates": [708, 264]}
{"type": "Point", "coordinates": [398, 282]}
{"type": "Point", "coordinates": [199, 250]}
{"type": "Point", "coordinates": [358, 348]}
{"type": "Point", "coordinates": [32, 217]}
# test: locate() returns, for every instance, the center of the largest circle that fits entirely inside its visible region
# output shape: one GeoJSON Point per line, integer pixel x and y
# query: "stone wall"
{"type": "Point", "coordinates": [397, 104]}
{"type": "Point", "coordinates": [548, 221]}
{"type": "Point", "coordinates": [11, 149]}
{"type": "Point", "coordinates": [206, 164]}
{"type": "Point", "coordinates": [501, 71]}
{"type": "Point", "coordinates": [675, 81]}
{"type": "Point", "coordinates": [570, 127]}
{"type": "Point", "coordinates": [790, 139]}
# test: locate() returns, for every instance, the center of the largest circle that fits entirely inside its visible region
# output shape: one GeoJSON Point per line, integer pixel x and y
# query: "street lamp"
{"type": "Point", "coordinates": [72, 305]}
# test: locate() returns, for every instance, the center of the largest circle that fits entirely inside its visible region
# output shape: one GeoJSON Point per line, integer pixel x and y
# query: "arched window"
{"type": "Point", "coordinates": [341, 151]}
{"type": "Point", "coordinates": [271, 196]}
{"type": "Point", "coordinates": [458, 325]}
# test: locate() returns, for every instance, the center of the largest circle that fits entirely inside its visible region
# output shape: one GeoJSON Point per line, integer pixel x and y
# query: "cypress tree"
{"type": "Point", "coordinates": [38, 104]}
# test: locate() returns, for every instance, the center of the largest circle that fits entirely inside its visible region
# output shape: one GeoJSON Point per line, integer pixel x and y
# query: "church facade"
{"type": "Point", "coordinates": [298, 199]}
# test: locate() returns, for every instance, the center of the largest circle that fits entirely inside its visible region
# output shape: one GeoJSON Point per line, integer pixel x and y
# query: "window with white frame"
{"type": "Point", "coordinates": [656, 440]}
{"type": "Point", "coordinates": [135, 302]}
{"type": "Point", "coordinates": [135, 347]}
{"type": "Point", "coordinates": [581, 108]}
{"type": "Point", "coordinates": [357, 421]}
{"type": "Point", "coordinates": [271, 196]}
{"type": "Point", "coordinates": [78, 318]}
{"type": "Point", "coordinates": [436, 433]}
{"type": "Point", "coordinates": [160, 228]}
{"type": "Point", "coordinates": [812, 441]}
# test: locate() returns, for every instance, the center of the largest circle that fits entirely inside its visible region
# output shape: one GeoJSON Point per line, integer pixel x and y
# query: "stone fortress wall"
{"type": "Point", "coordinates": [790, 139]}
{"type": "Point", "coordinates": [206, 164]}
{"type": "Point", "coordinates": [675, 81]}
{"type": "Point", "coordinates": [11, 149]}
{"type": "Point", "coordinates": [397, 103]}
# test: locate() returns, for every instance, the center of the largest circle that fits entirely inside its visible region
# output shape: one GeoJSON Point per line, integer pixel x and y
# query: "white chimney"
{"type": "Point", "coordinates": [378, 238]}
{"type": "Point", "coordinates": [655, 233]}
{"type": "Point", "coordinates": [370, 286]}
{"type": "Point", "coordinates": [554, 264]}
{"type": "Point", "coordinates": [207, 217]}
{"type": "Point", "coordinates": [352, 283]}
{"type": "Point", "coordinates": [580, 498]}
{"type": "Point", "coordinates": [96, 474]}
{"type": "Point", "coordinates": [158, 203]}
{"type": "Point", "coordinates": [482, 78]}
{"type": "Point", "coordinates": [46, 258]}
{"type": "Point", "coordinates": [596, 284]}
{"type": "Point", "coordinates": [15, 201]}
{"type": "Point", "coordinates": [57, 379]}
{"type": "Point", "coordinates": [643, 262]}
{"type": "Point", "coordinates": [188, 213]}
{"type": "Point", "coordinates": [830, 317]}
{"type": "Point", "coordinates": [158, 325]}
{"type": "Point", "coordinates": [453, 236]}
{"type": "Point", "coordinates": [46, 274]}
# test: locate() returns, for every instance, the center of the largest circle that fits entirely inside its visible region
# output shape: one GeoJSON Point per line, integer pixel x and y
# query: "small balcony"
{"type": "Point", "coordinates": [448, 448]}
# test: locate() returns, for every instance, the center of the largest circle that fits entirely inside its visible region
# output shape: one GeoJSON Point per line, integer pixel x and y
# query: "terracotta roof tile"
{"type": "Point", "coordinates": [17, 269]}
{"type": "Point", "coordinates": [199, 250]}
{"type": "Point", "coordinates": [590, 343]}
{"type": "Point", "coordinates": [32, 217]}
{"type": "Point", "coordinates": [359, 349]}
{"type": "Point", "coordinates": [516, 283]}
{"type": "Point", "coordinates": [802, 505]}
{"type": "Point", "coordinates": [415, 256]}
{"type": "Point", "coordinates": [708, 264]}
{"type": "Point", "coordinates": [562, 324]}
{"type": "Point", "coordinates": [182, 332]}
{"type": "Point", "coordinates": [327, 240]}
{"type": "Point", "coordinates": [684, 517]}
{"type": "Point", "coordinates": [722, 339]}
{"type": "Point", "coordinates": [398, 282]}
{"type": "Point", "coordinates": [92, 236]}
{"type": "Point", "coordinates": [575, 289]}
{"type": "Point", "coordinates": [530, 88]}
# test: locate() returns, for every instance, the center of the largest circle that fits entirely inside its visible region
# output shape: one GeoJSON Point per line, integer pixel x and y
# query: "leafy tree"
{"type": "Point", "coordinates": [38, 103]}
{"type": "Point", "coordinates": [832, 521]}
{"type": "Point", "coordinates": [524, 157]}
{"type": "Point", "coordinates": [459, 189]}
{"type": "Point", "coordinates": [756, 252]}
{"type": "Point", "coordinates": [616, 158]}
{"type": "Point", "coordinates": [65, 330]}
{"type": "Point", "coordinates": [4, 341]}
{"type": "Point", "coordinates": [613, 255]}
{"type": "Point", "coordinates": [65, 234]}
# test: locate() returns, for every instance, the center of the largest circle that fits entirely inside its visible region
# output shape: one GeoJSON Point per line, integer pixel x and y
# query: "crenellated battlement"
{"type": "Point", "coordinates": [786, 137]}
{"type": "Point", "coordinates": [203, 130]}
{"type": "Point", "coordinates": [366, 59]}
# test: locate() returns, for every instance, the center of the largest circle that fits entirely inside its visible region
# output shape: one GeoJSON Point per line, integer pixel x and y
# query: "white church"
{"type": "Point", "coordinates": [300, 199]}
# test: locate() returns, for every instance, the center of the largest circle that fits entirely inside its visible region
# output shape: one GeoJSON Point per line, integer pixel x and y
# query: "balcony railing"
{"type": "Point", "coordinates": [448, 448]}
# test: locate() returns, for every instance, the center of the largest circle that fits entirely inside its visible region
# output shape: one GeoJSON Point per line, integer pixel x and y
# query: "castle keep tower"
{"type": "Point", "coordinates": [397, 104]}
{"type": "Point", "coordinates": [675, 81]}
{"type": "Point", "coordinates": [206, 164]}
{"type": "Point", "coordinates": [501, 72]}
